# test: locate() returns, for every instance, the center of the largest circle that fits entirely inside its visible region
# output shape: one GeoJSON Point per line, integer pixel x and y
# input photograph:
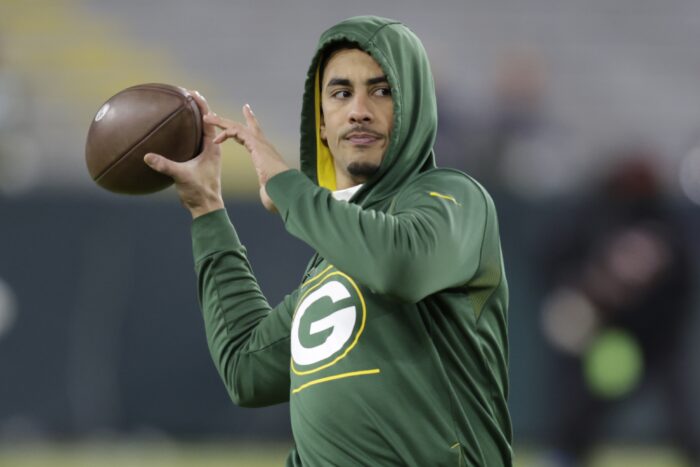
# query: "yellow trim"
{"type": "Point", "coordinates": [447, 197]}
{"type": "Point", "coordinates": [359, 331]}
{"type": "Point", "coordinates": [461, 456]}
{"type": "Point", "coordinates": [334, 377]}
{"type": "Point", "coordinates": [325, 170]}
{"type": "Point", "coordinates": [316, 276]}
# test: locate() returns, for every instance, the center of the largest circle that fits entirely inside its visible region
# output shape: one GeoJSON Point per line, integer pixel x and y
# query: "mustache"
{"type": "Point", "coordinates": [361, 129]}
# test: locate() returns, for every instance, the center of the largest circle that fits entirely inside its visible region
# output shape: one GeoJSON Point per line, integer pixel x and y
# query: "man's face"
{"type": "Point", "coordinates": [357, 115]}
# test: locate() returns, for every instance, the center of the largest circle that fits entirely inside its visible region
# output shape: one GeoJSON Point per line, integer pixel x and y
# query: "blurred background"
{"type": "Point", "coordinates": [581, 118]}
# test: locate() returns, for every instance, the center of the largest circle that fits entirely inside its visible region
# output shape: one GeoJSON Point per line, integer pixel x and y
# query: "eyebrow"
{"type": "Point", "coordinates": [346, 82]}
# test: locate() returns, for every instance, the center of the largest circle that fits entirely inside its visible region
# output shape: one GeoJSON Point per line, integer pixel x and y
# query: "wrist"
{"type": "Point", "coordinates": [206, 207]}
{"type": "Point", "coordinates": [275, 169]}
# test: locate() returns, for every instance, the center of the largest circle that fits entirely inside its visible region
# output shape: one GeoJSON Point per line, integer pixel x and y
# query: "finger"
{"type": "Point", "coordinates": [208, 130]}
{"type": "Point", "coordinates": [250, 118]}
{"type": "Point", "coordinates": [220, 122]}
{"type": "Point", "coordinates": [229, 133]}
{"type": "Point", "coordinates": [161, 164]}
{"type": "Point", "coordinates": [221, 137]}
{"type": "Point", "coordinates": [201, 101]}
{"type": "Point", "coordinates": [231, 129]}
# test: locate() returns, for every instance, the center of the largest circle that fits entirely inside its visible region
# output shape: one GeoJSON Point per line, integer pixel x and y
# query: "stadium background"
{"type": "Point", "coordinates": [102, 351]}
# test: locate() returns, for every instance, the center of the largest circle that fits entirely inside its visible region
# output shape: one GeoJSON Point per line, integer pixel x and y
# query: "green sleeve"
{"type": "Point", "coordinates": [248, 341]}
{"type": "Point", "coordinates": [431, 240]}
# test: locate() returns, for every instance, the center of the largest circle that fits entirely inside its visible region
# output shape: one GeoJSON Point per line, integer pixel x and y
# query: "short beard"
{"type": "Point", "coordinates": [361, 171]}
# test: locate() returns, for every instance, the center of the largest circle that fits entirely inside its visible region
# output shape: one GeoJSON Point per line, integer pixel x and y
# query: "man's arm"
{"type": "Point", "coordinates": [431, 241]}
{"type": "Point", "coordinates": [248, 341]}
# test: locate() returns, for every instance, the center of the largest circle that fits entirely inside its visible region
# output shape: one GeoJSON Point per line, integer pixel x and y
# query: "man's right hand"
{"type": "Point", "coordinates": [198, 181]}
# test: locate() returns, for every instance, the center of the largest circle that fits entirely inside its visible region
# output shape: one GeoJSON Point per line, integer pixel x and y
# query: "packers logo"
{"type": "Point", "coordinates": [327, 323]}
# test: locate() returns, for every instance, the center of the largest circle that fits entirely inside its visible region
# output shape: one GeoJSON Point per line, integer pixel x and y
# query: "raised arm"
{"type": "Point", "coordinates": [431, 240]}
{"type": "Point", "coordinates": [249, 341]}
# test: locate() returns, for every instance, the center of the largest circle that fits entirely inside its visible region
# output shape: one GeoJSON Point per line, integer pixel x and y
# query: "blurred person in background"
{"type": "Point", "coordinates": [620, 298]}
{"type": "Point", "coordinates": [513, 143]}
{"type": "Point", "coordinates": [393, 350]}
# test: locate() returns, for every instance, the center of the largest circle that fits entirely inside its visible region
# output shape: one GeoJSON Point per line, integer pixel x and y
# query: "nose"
{"type": "Point", "coordinates": [360, 111]}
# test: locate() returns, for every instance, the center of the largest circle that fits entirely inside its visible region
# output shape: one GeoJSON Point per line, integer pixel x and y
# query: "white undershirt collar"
{"type": "Point", "coordinates": [347, 193]}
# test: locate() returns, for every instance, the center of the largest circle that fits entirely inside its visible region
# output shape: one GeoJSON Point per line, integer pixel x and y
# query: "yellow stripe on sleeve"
{"type": "Point", "coordinates": [447, 197]}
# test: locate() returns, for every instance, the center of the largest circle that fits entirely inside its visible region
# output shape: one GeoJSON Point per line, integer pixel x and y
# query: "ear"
{"type": "Point", "coordinates": [322, 128]}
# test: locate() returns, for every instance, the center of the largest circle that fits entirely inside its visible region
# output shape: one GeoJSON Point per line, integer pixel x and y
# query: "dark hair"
{"type": "Point", "coordinates": [331, 49]}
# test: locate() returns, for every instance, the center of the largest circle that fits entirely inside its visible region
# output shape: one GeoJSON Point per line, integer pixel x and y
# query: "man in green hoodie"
{"type": "Point", "coordinates": [393, 349]}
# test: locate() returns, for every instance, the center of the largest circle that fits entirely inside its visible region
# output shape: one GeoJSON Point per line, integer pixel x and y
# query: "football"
{"type": "Point", "coordinates": [158, 118]}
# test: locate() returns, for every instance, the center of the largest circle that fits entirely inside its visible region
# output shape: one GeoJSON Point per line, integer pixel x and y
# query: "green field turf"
{"type": "Point", "coordinates": [143, 455]}
{"type": "Point", "coordinates": [220, 454]}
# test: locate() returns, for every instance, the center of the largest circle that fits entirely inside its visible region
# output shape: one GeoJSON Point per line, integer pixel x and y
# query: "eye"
{"type": "Point", "coordinates": [382, 92]}
{"type": "Point", "coordinates": [341, 94]}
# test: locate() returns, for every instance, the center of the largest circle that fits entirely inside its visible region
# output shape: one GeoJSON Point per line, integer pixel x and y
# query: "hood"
{"type": "Point", "coordinates": [402, 57]}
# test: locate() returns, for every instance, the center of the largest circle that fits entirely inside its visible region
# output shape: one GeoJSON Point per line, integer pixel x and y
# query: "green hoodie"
{"type": "Point", "coordinates": [393, 350]}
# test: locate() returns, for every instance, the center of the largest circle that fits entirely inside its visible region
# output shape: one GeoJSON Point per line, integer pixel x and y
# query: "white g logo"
{"type": "Point", "coordinates": [342, 324]}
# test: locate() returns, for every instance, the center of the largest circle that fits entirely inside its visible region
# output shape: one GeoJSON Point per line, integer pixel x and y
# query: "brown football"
{"type": "Point", "coordinates": [146, 118]}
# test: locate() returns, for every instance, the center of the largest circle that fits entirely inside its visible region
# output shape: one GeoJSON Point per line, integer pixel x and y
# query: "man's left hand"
{"type": "Point", "coordinates": [266, 160]}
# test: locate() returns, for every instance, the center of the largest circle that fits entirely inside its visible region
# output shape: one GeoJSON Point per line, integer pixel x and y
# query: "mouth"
{"type": "Point", "coordinates": [363, 138]}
